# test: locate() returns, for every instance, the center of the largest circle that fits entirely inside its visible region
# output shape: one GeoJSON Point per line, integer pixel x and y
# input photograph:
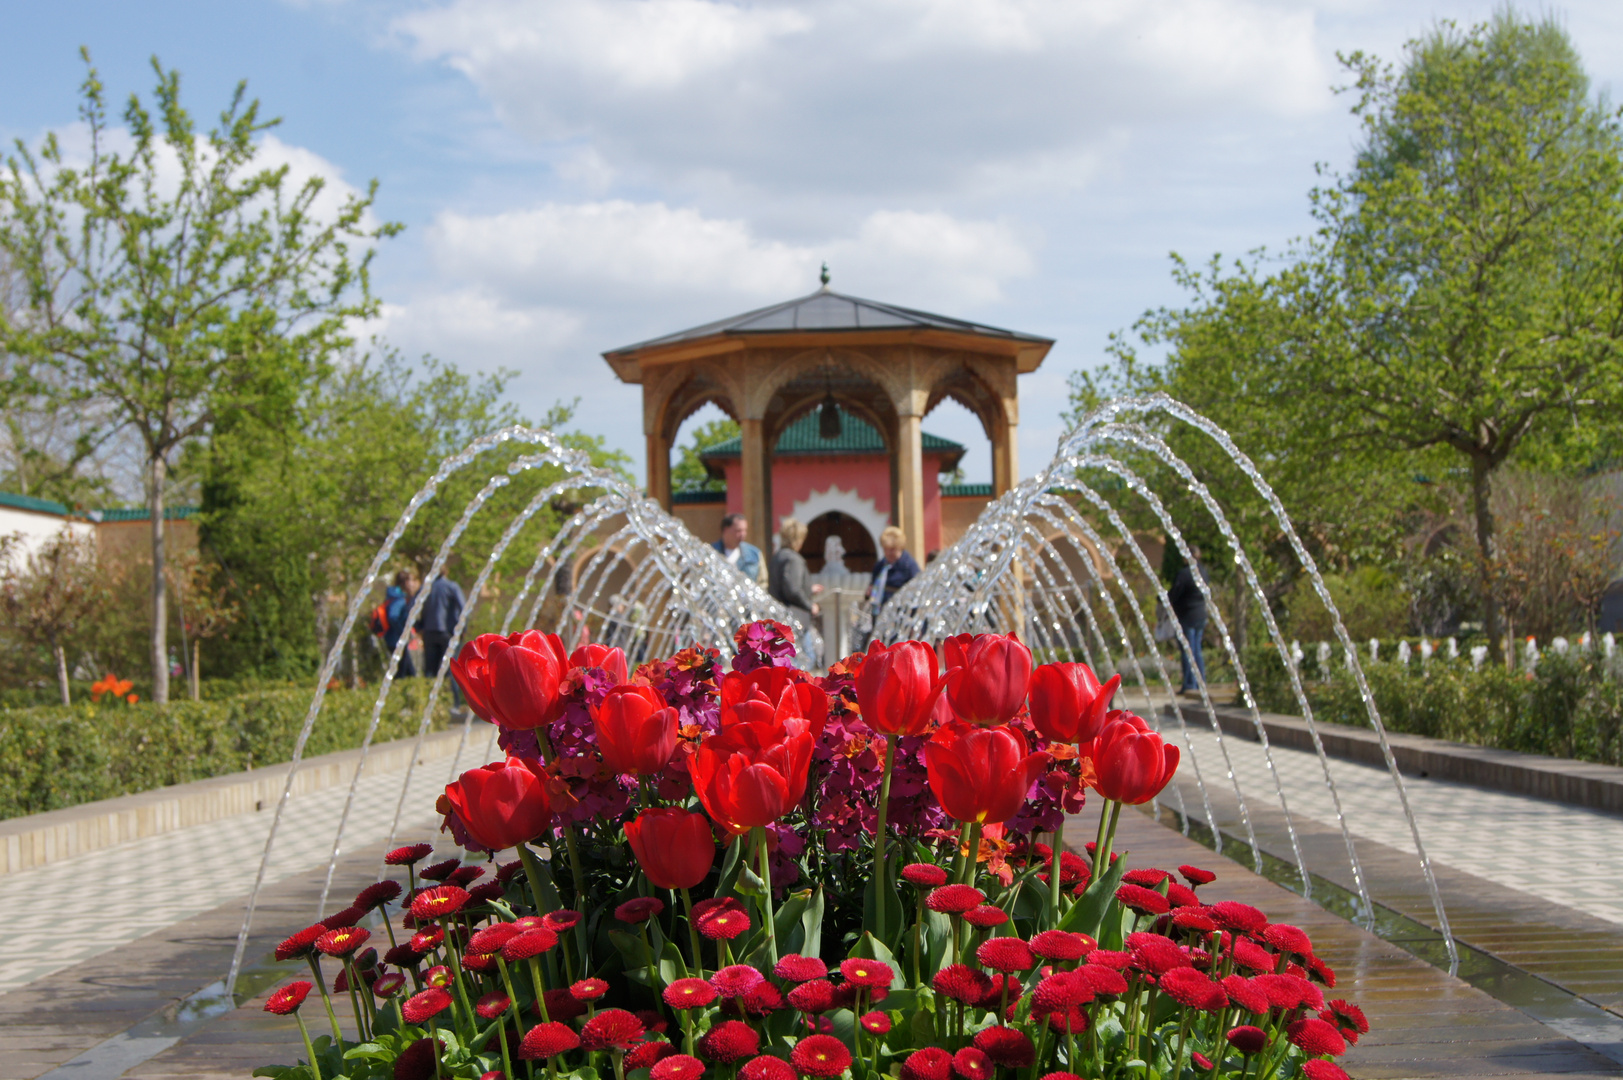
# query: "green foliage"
{"type": "Point", "coordinates": [53, 757]}
{"type": "Point", "coordinates": [167, 286]}
{"type": "Point", "coordinates": [689, 473]}
{"type": "Point", "coordinates": [1371, 600]}
{"type": "Point", "coordinates": [294, 517]}
{"type": "Point", "coordinates": [1570, 707]}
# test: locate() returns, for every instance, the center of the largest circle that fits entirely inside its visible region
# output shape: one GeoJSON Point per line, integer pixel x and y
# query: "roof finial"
{"type": "Point", "coordinates": [823, 277]}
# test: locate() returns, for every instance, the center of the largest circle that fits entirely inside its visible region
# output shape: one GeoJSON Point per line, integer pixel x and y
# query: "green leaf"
{"type": "Point", "coordinates": [1087, 915]}
{"type": "Point", "coordinates": [811, 923]}
{"type": "Point", "coordinates": [671, 964]}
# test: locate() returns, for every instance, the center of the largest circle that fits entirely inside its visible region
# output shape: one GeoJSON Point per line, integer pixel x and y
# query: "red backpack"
{"type": "Point", "coordinates": [380, 619]}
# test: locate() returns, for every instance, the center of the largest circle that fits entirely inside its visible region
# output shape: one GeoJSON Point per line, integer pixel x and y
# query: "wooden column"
{"type": "Point", "coordinates": [910, 473]}
{"type": "Point", "coordinates": [753, 464]}
{"type": "Point", "coordinates": [1005, 458]}
{"type": "Point", "coordinates": [659, 470]}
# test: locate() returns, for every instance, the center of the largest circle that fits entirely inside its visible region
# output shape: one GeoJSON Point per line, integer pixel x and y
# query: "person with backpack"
{"type": "Point", "coordinates": [442, 610]}
{"type": "Point", "coordinates": [389, 619]}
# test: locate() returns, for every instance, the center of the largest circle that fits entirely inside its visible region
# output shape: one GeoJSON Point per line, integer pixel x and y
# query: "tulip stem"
{"type": "Point", "coordinates": [1101, 858]}
{"type": "Point", "coordinates": [765, 860]}
{"type": "Point", "coordinates": [972, 853]}
{"type": "Point", "coordinates": [579, 876]}
{"type": "Point", "coordinates": [693, 935]}
{"type": "Point", "coordinates": [532, 875]}
{"type": "Point", "coordinates": [309, 1047]}
{"type": "Point", "coordinates": [1053, 870]}
{"type": "Point", "coordinates": [880, 871]}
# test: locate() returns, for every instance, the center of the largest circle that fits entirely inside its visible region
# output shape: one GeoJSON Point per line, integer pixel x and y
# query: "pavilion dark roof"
{"type": "Point", "coordinates": [826, 310]}
{"type": "Point", "coordinates": [856, 436]}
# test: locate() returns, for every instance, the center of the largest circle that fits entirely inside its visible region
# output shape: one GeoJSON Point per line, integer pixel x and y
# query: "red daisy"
{"type": "Point", "coordinates": [1147, 877]}
{"type": "Point", "coordinates": [425, 1005]}
{"type": "Point", "coordinates": [439, 902]}
{"type": "Point", "coordinates": [389, 985]}
{"type": "Point", "coordinates": [1321, 971]}
{"type": "Point", "coordinates": [797, 968]}
{"type": "Point", "coordinates": [765, 1067]}
{"type": "Point", "coordinates": [1251, 956]}
{"type": "Point", "coordinates": [971, 1063]}
{"type": "Point", "coordinates": [924, 875]}
{"type": "Point", "coordinates": [1155, 954]}
{"type": "Point", "coordinates": [677, 1067]}
{"type": "Point", "coordinates": [639, 910]}
{"type": "Point", "coordinates": [1062, 945]}
{"type": "Point", "coordinates": [1319, 1069]}
{"type": "Point", "coordinates": [1181, 896]}
{"type": "Point", "coordinates": [1072, 1020]}
{"type": "Point", "coordinates": [689, 994]}
{"type": "Point", "coordinates": [986, 916]}
{"type": "Point", "coordinates": [954, 899]}
{"type": "Point", "coordinates": [1345, 1015]}
{"type": "Point", "coordinates": [1193, 990]}
{"type": "Point", "coordinates": [1245, 994]}
{"type": "Point", "coordinates": [729, 1041]}
{"type": "Point", "coordinates": [1241, 918]}
{"type": "Point", "coordinates": [426, 941]}
{"type": "Point", "coordinates": [1288, 939]}
{"type": "Point", "coordinates": [1066, 1076]}
{"type": "Point", "coordinates": [961, 983]}
{"type": "Point", "coordinates": [409, 855]}
{"type": "Point", "coordinates": [547, 1040]}
{"type": "Point", "coordinates": [1196, 876]}
{"type": "Point", "coordinates": [1290, 992]}
{"type": "Point", "coordinates": [876, 1023]}
{"type": "Point", "coordinates": [484, 894]}
{"type": "Point", "coordinates": [1006, 1046]}
{"type": "Point", "coordinates": [347, 917]}
{"type": "Point", "coordinates": [930, 1063]}
{"type": "Point", "coordinates": [416, 1062]}
{"type": "Point", "coordinates": [820, 1055]}
{"type": "Point", "coordinates": [1142, 900]}
{"type": "Point", "coordinates": [736, 980]}
{"type": "Point", "coordinates": [1006, 954]}
{"type": "Point", "coordinates": [646, 1054]}
{"type": "Point", "coordinates": [720, 918]}
{"type": "Point", "coordinates": [530, 922]}
{"type": "Point", "coordinates": [1201, 1060]}
{"type": "Point", "coordinates": [342, 942]}
{"type": "Point", "coordinates": [560, 1006]}
{"type": "Point", "coordinates": [588, 989]}
{"type": "Point", "coordinates": [1110, 958]}
{"type": "Point", "coordinates": [611, 1028]}
{"type": "Point", "coordinates": [289, 997]}
{"type": "Point", "coordinates": [560, 921]}
{"type": "Point", "coordinates": [491, 938]}
{"type": "Point", "coordinates": [492, 1005]}
{"type": "Point", "coordinates": [1186, 918]}
{"type": "Point", "coordinates": [816, 996]}
{"type": "Point", "coordinates": [529, 943]}
{"type": "Point", "coordinates": [301, 944]}
{"type": "Point", "coordinates": [1315, 1037]}
{"type": "Point", "coordinates": [869, 973]}
{"type": "Point", "coordinates": [1061, 990]}
{"type": "Point", "coordinates": [439, 975]}
{"type": "Point", "coordinates": [762, 999]}
{"type": "Point", "coordinates": [1103, 981]}
{"type": "Point", "coordinates": [480, 962]}
{"type": "Point", "coordinates": [465, 875]}
{"type": "Point", "coordinates": [440, 870]}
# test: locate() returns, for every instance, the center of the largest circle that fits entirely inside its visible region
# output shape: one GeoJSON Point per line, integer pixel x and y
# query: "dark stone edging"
{"type": "Point", "coordinates": [1576, 783]}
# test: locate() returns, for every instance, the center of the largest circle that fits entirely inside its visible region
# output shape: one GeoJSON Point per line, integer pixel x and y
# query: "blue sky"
{"type": "Point", "coordinates": [581, 174]}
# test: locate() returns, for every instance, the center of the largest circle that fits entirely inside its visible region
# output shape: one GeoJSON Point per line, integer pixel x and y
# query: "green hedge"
{"type": "Point", "coordinates": [52, 757]}
{"type": "Point", "coordinates": [1570, 707]}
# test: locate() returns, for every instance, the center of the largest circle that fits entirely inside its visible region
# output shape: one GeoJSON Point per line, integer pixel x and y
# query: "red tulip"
{"type": "Point", "coordinates": [636, 731]}
{"type": "Point", "coordinates": [1131, 763]}
{"type": "Point", "coordinates": [751, 774]}
{"type": "Point", "coordinates": [1067, 703]}
{"type": "Point", "coordinates": [898, 687]}
{"type": "Point", "coordinates": [773, 695]}
{"type": "Point", "coordinates": [471, 670]}
{"type": "Point", "coordinates": [992, 674]}
{"type": "Point", "coordinates": [524, 673]}
{"type": "Point", "coordinates": [611, 660]}
{"type": "Point", "coordinates": [675, 848]}
{"type": "Point", "coordinates": [502, 804]}
{"type": "Point", "coordinates": [981, 773]}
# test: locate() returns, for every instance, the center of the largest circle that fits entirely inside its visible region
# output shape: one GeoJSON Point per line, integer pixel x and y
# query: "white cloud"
{"type": "Point", "coordinates": [620, 251]}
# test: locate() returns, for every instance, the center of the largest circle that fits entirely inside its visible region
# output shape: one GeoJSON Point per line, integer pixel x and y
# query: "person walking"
{"type": "Point", "coordinates": [441, 612]}
{"type": "Point", "coordinates": [740, 554]}
{"type": "Point", "coordinates": [396, 606]}
{"type": "Point", "coordinates": [1188, 602]}
{"type": "Point", "coordinates": [787, 576]}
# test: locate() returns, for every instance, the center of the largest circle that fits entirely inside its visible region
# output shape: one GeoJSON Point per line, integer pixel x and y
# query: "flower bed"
{"type": "Point", "coordinates": [758, 875]}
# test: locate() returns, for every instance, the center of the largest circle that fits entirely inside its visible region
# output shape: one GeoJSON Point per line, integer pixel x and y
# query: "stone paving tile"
{"type": "Point", "coordinates": [116, 895]}
{"type": "Point", "coordinates": [1564, 854]}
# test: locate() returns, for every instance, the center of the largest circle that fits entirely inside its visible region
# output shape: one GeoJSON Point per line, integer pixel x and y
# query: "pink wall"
{"type": "Point", "coordinates": [794, 478]}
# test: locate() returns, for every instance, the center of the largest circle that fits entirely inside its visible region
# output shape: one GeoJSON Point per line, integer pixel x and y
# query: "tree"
{"type": "Point", "coordinates": [172, 283]}
{"type": "Point", "coordinates": [206, 609]}
{"type": "Point", "coordinates": [1465, 288]}
{"type": "Point", "coordinates": [47, 596]}
{"type": "Point", "coordinates": [689, 474]}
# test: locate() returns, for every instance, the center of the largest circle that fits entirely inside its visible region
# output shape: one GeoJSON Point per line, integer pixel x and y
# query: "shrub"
{"type": "Point", "coordinates": [54, 757]}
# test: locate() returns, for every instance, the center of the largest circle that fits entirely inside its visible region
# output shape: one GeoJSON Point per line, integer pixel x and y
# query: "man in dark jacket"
{"type": "Point", "coordinates": [441, 611]}
{"type": "Point", "coordinates": [894, 570]}
{"type": "Point", "coordinates": [1189, 608]}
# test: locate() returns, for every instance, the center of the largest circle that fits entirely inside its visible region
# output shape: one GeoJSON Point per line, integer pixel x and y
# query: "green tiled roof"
{"type": "Point", "coordinates": [170, 513]}
{"type": "Point", "coordinates": [950, 490]}
{"type": "Point", "coordinates": [857, 436]}
{"type": "Point", "coordinates": [28, 502]}
{"type": "Point", "coordinates": [685, 498]}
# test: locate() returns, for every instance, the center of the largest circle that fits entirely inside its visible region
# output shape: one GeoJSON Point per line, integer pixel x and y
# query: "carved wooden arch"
{"type": "Point", "coordinates": [688, 388]}
{"type": "Point", "coordinates": [789, 369]}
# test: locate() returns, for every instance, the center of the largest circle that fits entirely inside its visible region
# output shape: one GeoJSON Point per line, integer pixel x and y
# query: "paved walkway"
{"type": "Point", "coordinates": [149, 884]}
{"type": "Point", "coordinates": [1564, 854]}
